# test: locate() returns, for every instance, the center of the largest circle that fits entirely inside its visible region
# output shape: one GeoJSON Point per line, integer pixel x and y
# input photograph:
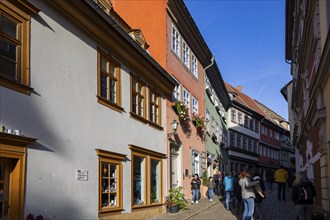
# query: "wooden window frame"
{"type": "Point", "coordinates": [117, 105]}
{"type": "Point", "coordinates": [158, 104]}
{"type": "Point", "coordinates": [115, 159]}
{"type": "Point", "coordinates": [142, 117]}
{"type": "Point", "coordinates": [148, 155]}
{"type": "Point", "coordinates": [147, 92]}
{"type": "Point", "coordinates": [19, 11]}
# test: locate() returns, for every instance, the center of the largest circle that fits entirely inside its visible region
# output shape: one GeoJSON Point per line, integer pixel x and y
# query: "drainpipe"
{"type": "Point", "coordinates": [212, 62]}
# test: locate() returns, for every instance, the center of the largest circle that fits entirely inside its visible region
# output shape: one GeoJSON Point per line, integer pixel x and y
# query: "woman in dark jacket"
{"type": "Point", "coordinates": [303, 193]}
{"type": "Point", "coordinates": [195, 187]}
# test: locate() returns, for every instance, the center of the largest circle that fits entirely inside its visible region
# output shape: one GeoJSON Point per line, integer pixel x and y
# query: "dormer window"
{"type": "Point", "coordinates": [138, 37]}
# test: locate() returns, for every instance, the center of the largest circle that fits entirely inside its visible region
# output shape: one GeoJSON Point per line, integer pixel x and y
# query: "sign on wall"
{"type": "Point", "coordinates": [81, 175]}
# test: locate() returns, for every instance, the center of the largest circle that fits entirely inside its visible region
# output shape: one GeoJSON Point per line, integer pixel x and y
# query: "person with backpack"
{"type": "Point", "coordinates": [281, 177]}
{"type": "Point", "coordinates": [303, 193]}
{"type": "Point", "coordinates": [238, 195]}
{"type": "Point", "coordinates": [229, 189]}
{"type": "Point", "coordinates": [248, 194]}
{"type": "Point", "coordinates": [260, 195]}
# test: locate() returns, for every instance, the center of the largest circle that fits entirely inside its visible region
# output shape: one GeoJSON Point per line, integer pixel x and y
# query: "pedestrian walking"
{"type": "Point", "coordinates": [217, 178]}
{"type": "Point", "coordinates": [238, 195]}
{"type": "Point", "coordinates": [210, 186]}
{"type": "Point", "coordinates": [195, 188]}
{"type": "Point", "coordinates": [229, 189]}
{"type": "Point", "coordinates": [281, 177]}
{"type": "Point", "coordinates": [248, 194]}
{"type": "Point", "coordinates": [303, 193]}
{"type": "Point", "coordinates": [270, 178]}
{"type": "Point", "coordinates": [260, 195]}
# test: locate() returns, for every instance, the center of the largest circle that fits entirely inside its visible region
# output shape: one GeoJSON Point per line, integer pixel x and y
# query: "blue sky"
{"type": "Point", "coordinates": [247, 39]}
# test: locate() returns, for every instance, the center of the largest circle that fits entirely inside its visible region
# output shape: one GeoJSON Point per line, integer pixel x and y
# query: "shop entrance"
{"type": "Point", "coordinates": [5, 168]}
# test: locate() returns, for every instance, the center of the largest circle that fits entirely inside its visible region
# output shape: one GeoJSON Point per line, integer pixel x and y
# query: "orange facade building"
{"type": "Point", "coordinates": [177, 45]}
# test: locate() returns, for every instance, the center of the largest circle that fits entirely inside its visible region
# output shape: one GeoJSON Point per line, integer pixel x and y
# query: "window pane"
{"type": "Point", "coordinates": [112, 70]}
{"type": "Point", "coordinates": [155, 181]}
{"type": "Point", "coordinates": [104, 86]}
{"type": "Point", "coordinates": [109, 184]}
{"type": "Point", "coordinates": [8, 59]}
{"type": "Point", "coordinates": [8, 27]}
{"type": "Point", "coordinates": [104, 63]}
{"type": "Point", "coordinates": [139, 190]}
{"type": "Point", "coordinates": [112, 90]}
{"type": "Point", "coordinates": [134, 107]}
{"type": "Point", "coordinates": [140, 108]}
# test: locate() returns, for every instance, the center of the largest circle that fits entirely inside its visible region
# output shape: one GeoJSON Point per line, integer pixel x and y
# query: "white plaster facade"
{"type": "Point", "coordinates": [63, 114]}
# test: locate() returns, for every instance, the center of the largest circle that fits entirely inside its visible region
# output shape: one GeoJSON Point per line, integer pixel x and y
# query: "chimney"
{"type": "Point", "coordinates": [239, 88]}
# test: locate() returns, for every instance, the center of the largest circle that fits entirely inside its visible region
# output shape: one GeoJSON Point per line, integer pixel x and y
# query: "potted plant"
{"type": "Point", "coordinates": [198, 120]}
{"type": "Point", "coordinates": [182, 110]}
{"type": "Point", "coordinates": [176, 200]}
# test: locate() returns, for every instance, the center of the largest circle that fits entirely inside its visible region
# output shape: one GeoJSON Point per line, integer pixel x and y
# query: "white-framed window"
{"type": "Point", "coordinates": [207, 120]}
{"type": "Point", "coordinates": [196, 162]}
{"type": "Point", "coordinates": [260, 150]}
{"type": "Point", "coordinates": [240, 118]}
{"type": "Point", "coordinates": [194, 105]}
{"type": "Point", "coordinates": [270, 133]}
{"type": "Point", "coordinates": [264, 151]}
{"type": "Point", "coordinates": [186, 55]}
{"type": "Point", "coordinates": [277, 136]}
{"type": "Point", "coordinates": [186, 98]}
{"type": "Point", "coordinates": [233, 115]}
{"type": "Point", "coordinates": [176, 95]}
{"type": "Point", "coordinates": [175, 41]}
{"type": "Point", "coordinates": [194, 65]}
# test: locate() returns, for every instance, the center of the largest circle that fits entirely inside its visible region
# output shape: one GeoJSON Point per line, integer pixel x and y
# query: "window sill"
{"type": "Point", "coordinates": [157, 126]}
{"type": "Point", "coordinates": [139, 118]}
{"type": "Point", "coordinates": [145, 121]}
{"type": "Point", "coordinates": [15, 85]}
{"type": "Point", "coordinates": [110, 210]}
{"type": "Point", "coordinates": [109, 104]}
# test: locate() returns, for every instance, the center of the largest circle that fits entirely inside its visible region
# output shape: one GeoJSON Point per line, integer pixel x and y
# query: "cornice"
{"type": "Point", "coordinates": [6, 138]}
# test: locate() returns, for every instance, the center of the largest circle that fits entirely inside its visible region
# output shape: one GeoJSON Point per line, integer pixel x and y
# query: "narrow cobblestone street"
{"type": "Point", "coordinates": [271, 209]}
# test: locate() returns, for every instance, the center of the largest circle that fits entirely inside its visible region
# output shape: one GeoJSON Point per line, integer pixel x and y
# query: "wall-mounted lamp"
{"type": "Point", "coordinates": [174, 125]}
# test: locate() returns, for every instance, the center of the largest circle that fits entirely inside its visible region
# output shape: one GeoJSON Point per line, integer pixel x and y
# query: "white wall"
{"type": "Point", "coordinates": [63, 114]}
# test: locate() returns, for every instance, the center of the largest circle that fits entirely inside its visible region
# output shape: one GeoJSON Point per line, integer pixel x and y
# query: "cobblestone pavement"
{"type": "Point", "coordinates": [271, 209]}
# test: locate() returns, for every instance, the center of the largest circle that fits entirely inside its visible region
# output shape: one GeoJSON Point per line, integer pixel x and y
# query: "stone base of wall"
{"type": "Point", "coordinates": [143, 213]}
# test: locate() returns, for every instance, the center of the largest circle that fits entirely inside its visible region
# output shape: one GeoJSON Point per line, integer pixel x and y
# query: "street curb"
{"type": "Point", "coordinates": [195, 213]}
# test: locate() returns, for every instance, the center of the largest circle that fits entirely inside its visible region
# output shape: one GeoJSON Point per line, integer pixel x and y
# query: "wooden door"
{"type": "Point", "coordinates": [5, 166]}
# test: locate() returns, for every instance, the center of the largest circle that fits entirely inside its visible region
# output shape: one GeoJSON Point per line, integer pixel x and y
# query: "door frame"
{"type": "Point", "coordinates": [14, 147]}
